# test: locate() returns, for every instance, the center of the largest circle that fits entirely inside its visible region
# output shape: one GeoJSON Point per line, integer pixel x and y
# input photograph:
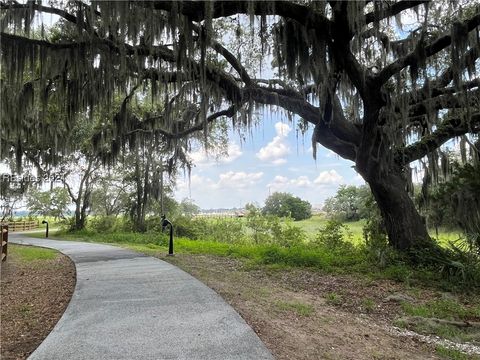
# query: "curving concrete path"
{"type": "Point", "coordinates": [130, 306]}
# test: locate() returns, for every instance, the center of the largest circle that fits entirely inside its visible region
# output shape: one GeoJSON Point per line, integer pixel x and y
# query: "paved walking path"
{"type": "Point", "coordinates": [130, 306]}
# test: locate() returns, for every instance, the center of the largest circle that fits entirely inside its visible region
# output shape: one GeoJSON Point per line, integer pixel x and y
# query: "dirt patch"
{"type": "Point", "coordinates": [302, 314]}
{"type": "Point", "coordinates": [34, 295]}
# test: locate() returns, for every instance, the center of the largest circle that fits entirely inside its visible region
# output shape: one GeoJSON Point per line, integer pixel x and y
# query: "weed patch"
{"type": "Point", "coordinates": [299, 308]}
{"type": "Point", "coordinates": [452, 354]}
{"type": "Point", "coordinates": [334, 299]}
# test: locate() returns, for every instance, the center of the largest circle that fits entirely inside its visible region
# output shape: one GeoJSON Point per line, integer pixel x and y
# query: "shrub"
{"type": "Point", "coordinates": [462, 264]}
{"type": "Point", "coordinates": [271, 229]}
{"type": "Point", "coordinates": [259, 225]}
{"type": "Point", "coordinates": [285, 233]}
{"type": "Point", "coordinates": [103, 224]}
{"type": "Point", "coordinates": [226, 230]}
{"type": "Point", "coordinates": [376, 247]}
{"type": "Point", "coordinates": [331, 237]}
{"type": "Point", "coordinates": [153, 224]}
{"type": "Point", "coordinates": [185, 226]}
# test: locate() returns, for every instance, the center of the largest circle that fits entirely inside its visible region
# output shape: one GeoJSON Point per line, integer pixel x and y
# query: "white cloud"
{"type": "Point", "coordinates": [234, 152]}
{"type": "Point", "coordinates": [238, 180]}
{"type": "Point", "coordinates": [301, 181]}
{"type": "Point", "coordinates": [282, 183]}
{"type": "Point", "coordinates": [228, 180]}
{"type": "Point", "coordinates": [329, 177]}
{"type": "Point", "coordinates": [359, 179]}
{"type": "Point", "coordinates": [279, 183]}
{"type": "Point", "coordinates": [282, 129]}
{"type": "Point", "coordinates": [280, 179]}
{"type": "Point", "coordinates": [277, 149]}
{"type": "Point", "coordinates": [279, 161]}
{"type": "Point", "coordinates": [201, 157]}
{"type": "Point", "coordinates": [195, 181]}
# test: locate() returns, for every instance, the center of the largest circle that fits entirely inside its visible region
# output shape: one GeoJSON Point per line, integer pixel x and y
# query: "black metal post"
{"type": "Point", "coordinates": [170, 243]}
{"type": "Point", "coordinates": [46, 231]}
{"type": "Point", "coordinates": [165, 223]}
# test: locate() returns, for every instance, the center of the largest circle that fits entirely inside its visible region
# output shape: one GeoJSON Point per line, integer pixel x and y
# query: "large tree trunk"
{"type": "Point", "coordinates": [79, 217]}
{"type": "Point", "coordinates": [405, 227]}
{"type": "Point", "coordinates": [141, 178]}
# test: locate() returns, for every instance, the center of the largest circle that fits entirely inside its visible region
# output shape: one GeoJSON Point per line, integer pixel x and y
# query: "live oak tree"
{"type": "Point", "coordinates": [52, 202]}
{"type": "Point", "coordinates": [375, 93]}
{"type": "Point", "coordinates": [286, 205]}
{"type": "Point", "coordinates": [110, 193]}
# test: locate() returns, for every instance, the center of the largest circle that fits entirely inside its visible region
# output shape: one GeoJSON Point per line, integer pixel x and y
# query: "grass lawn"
{"type": "Point", "coordinates": [31, 253]}
{"type": "Point", "coordinates": [311, 226]}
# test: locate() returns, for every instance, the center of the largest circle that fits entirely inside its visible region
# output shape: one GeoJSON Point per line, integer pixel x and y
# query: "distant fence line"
{"type": "Point", "coordinates": [22, 225]}
{"type": "Point", "coordinates": [219, 216]}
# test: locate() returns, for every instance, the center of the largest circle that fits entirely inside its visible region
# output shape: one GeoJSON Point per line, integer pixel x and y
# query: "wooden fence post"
{"type": "Point", "coordinates": [4, 241]}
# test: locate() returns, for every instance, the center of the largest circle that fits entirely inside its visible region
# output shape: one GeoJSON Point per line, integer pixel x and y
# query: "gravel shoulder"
{"type": "Point", "coordinates": [306, 314]}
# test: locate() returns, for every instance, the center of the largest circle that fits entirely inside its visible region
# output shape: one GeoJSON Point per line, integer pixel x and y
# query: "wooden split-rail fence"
{"type": "Point", "coordinates": [14, 226]}
{"type": "Point", "coordinates": [22, 225]}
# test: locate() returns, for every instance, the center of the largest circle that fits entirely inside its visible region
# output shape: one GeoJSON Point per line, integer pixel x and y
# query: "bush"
{"type": "Point", "coordinates": [185, 226]}
{"type": "Point", "coordinates": [331, 237]}
{"type": "Point", "coordinates": [271, 229]}
{"type": "Point", "coordinates": [259, 225]}
{"type": "Point", "coordinates": [377, 249]}
{"type": "Point", "coordinates": [285, 233]}
{"type": "Point", "coordinates": [67, 223]}
{"type": "Point", "coordinates": [226, 230]}
{"type": "Point", "coordinates": [462, 264]}
{"type": "Point", "coordinates": [103, 224]}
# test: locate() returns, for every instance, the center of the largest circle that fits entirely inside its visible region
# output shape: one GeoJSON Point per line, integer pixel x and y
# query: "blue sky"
{"type": "Point", "coordinates": [273, 158]}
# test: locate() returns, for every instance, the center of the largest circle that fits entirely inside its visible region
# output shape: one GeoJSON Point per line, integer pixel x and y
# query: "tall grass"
{"type": "Point", "coordinates": [316, 243]}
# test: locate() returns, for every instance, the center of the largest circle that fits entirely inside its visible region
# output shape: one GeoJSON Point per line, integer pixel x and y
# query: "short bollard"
{"type": "Point", "coordinates": [165, 223]}
{"type": "Point", "coordinates": [46, 230]}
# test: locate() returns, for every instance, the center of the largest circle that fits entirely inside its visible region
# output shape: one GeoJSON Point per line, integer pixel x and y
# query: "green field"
{"type": "Point", "coordinates": [355, 230]}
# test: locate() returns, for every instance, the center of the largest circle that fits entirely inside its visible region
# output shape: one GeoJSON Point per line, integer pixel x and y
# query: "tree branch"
{"type": "Point", "coordinates": [196, 11]}
{"type": "Point", "coordinates": [447, 130]}
{"type": "Point", "coordinates": [429, 50]}
{"type": "Point", "coordinates": [392, 10]}
{"type": "Point", "coordinates": [69, 189]}
{"type": "Point", "coordinates": [229, 112]}
{"type": "Point", "coordinates": [446, 101]}
{"type": "Point", "coordinates": [41, 8]}
{"type": "Point", "coordinates": [339, 135]}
